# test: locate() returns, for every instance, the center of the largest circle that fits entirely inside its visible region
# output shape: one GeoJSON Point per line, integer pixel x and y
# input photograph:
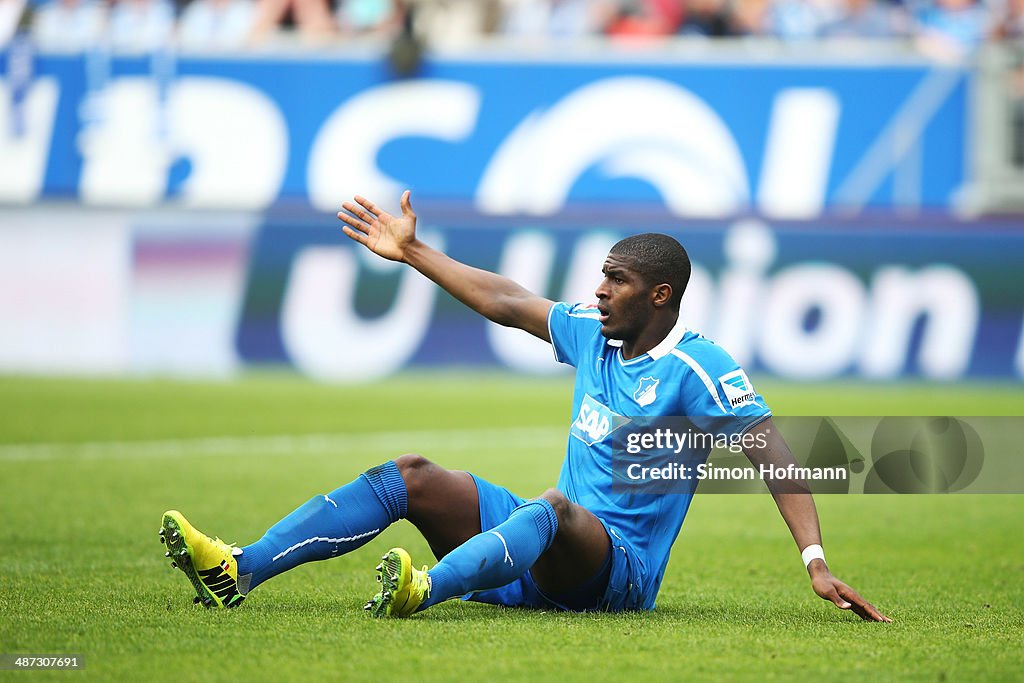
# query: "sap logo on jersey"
{"type": "Point", "coordinates": [738, 388]}
{"type": "Point", "coordinates": [595, 421]}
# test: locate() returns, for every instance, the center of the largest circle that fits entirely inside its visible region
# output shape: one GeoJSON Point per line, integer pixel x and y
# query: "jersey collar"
{"type": "Point", "coordinates": [674, 336]}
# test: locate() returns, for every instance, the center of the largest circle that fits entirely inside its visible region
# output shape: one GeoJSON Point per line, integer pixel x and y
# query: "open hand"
{"type": "Point", "coordinates": [377, 230]}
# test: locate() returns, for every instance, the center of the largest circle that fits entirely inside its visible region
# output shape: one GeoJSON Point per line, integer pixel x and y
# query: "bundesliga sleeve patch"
{"type": "Point", "coordinates": [738, 389]}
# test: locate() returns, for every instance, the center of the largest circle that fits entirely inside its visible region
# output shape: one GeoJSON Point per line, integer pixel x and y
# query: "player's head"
{"type": "Point", "coordinates": [645, 276]}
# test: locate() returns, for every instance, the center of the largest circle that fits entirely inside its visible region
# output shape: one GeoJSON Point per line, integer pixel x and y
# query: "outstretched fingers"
{"type": "Point", "coordinates": [365, 217]}
{"type": "Point", "coordinates": [847, 598]}
{"type": "Point", "coordinates": [357, 226]}
{"type": "Point", "coordinates": [861, 607]}
{"type": "Point", "coordinates": [353, 221]}
{"type": "Point", "coordinates": [369, 207]}
{"type": "Point", "coordinates": [355, 236]}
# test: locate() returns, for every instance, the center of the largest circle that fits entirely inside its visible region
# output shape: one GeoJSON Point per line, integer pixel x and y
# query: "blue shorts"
{"type": "Point", "coordinates": [627, 577]}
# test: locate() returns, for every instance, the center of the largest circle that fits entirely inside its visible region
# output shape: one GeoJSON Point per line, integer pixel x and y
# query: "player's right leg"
{"type": "Point", "coordinates": [441, 503]}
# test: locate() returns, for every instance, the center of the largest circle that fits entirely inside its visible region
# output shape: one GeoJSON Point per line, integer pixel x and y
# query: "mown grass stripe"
{"type": "Point", "coordinates": [288, 444]}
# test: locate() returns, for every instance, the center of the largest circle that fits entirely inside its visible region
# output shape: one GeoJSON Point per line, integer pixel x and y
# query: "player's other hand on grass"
{"type": "Point", "coordinates": [830, 588]}
{"type": "Point", "coordinates": [380, 232]}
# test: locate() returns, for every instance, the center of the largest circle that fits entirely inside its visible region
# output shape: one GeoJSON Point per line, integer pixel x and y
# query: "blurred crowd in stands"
{"type": "Point", "coordinates": [943, 29]}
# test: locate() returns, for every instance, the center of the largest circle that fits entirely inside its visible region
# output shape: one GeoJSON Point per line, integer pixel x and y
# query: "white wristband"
{"type": "Point", "coordinates": [812, 552]}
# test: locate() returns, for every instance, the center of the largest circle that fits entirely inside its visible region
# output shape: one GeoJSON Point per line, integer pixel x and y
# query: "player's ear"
{"type": "Point", "coordinates": [661, 294]}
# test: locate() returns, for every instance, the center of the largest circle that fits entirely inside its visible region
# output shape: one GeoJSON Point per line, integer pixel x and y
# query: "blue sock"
{"type": "Point", "coordinates": [327, 526]}
{"type": "Point", "coordinates": [496, 557]}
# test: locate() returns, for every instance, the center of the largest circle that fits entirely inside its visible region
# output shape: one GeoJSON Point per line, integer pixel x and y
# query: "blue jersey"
{"type": "Point", "coordinates": [684, 375]}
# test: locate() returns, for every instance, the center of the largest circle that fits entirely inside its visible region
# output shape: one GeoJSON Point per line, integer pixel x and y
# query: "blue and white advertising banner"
{"type": "Point", "coordinates": [211, 293]}
{"type": "Point", "coordinates": [800, 301]}
{"type": "Point", "coordinates": [529, 138]}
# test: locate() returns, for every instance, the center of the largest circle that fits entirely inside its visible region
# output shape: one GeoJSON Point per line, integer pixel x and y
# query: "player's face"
{"type": "Point", "coordinates": [623, 298]}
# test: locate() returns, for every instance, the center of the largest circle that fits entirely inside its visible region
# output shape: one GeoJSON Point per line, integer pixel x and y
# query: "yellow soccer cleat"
{"type": "Point", "coordinates": [209, 563]}
{"type": "Point", "coordinates": [402, 588]}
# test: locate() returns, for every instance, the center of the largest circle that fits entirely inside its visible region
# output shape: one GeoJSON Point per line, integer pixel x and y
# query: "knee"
{"type": "Point", "coordinates": [562, 506]}
{"type": "Point", "coordinates": [416, 471]}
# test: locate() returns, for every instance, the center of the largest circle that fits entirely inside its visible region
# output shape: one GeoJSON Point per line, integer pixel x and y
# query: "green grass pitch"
{"type": "Point", "coordinates": [81, 570]}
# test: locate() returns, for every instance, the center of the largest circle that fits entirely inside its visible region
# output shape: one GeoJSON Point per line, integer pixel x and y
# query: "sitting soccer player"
{"type": "Point", "coordinates": [580, 546]}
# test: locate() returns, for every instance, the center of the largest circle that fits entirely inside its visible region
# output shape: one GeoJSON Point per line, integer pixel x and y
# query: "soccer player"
{"type": "Point", "coordinates": [582, 545]}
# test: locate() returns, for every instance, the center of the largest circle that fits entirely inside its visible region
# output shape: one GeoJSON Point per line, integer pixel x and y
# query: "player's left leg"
{"type": "Point", "coordinates": [564, 543]}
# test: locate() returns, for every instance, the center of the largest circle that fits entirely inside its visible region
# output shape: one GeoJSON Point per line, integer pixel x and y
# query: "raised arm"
{"type": "Point", "coordinates": [394, 237]}
{"type": "Point", "coordinates": [797, 507]}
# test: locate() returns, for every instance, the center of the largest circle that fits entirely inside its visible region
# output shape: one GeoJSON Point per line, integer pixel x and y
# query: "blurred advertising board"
{"type": "Point", "coordinates": [186, 292]}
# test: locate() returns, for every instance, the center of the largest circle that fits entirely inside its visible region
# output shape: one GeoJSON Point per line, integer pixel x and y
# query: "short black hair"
{"type": "Point", "coordinates": [658, 259]}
